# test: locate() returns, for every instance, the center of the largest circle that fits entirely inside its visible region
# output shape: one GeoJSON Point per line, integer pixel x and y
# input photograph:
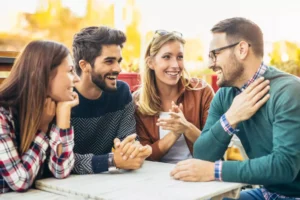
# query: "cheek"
{"type": "Point", "coordinates": [59, 84]}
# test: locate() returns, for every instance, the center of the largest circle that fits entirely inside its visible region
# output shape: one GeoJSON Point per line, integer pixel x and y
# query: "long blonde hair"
{"type": "Point", "coordinates": [147, 96]}
{"type": "Point", "coordinates": [25, 89]}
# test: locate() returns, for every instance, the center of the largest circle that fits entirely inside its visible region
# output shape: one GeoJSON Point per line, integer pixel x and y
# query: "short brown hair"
{"type": "Point", "coordinates": [238, 29]}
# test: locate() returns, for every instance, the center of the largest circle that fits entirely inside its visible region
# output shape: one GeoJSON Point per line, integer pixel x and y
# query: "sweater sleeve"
{"type": "Point", "coordinates": [90, 163]}
{"type": "Point", "coordinates": [145, 138]}
{"type": "Point", "coordinates": [19, 172]}
{"type": "Point", "coordinates": [282, 165]}
{"type": "Point", "coordinates": [213, 137]}
{"type": "Point", "coordinates": [128, 123]}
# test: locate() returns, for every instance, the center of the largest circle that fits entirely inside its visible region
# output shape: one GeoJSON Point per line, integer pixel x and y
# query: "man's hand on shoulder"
{"type": "Point", "coordinates": [247, 103]}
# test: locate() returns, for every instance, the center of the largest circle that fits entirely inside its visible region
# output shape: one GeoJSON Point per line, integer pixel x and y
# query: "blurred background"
{"type": "Point", "coordinates": [22, 21]}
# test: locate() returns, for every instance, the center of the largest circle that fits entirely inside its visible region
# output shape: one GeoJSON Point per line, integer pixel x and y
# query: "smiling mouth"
{"type": "Point", "coordinates": [172, 73]}
{"type": "Point", "coordinates": [71, 89]}
{"type": "Point", "coordinates": [111, 77]}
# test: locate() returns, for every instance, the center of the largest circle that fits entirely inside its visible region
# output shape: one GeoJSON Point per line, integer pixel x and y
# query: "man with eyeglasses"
{"type": "Point", "coordinates": [257, 103]}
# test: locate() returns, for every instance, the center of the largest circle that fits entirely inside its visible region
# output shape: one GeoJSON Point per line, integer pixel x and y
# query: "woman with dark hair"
{"type": "Point", "coordinates": [35, 106]}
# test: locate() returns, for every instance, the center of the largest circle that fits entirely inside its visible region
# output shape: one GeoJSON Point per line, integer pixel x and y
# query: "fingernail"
{"type": "Point", "coordinates": [124, 157]}
{"type": "Point", "coordinates": [131, 156]}
{"type": "Point", "coordinates": [121, 154]}
{"type": "Point", "coordinates": [262, 78]}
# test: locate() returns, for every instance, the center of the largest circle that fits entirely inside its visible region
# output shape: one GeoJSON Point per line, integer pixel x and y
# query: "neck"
{"type": "Point", "coordinates": [250, 68]}
{"type": "Point", "coordinates": [88, 89]}
{"type": "Point", "coordinates": [168, 93]}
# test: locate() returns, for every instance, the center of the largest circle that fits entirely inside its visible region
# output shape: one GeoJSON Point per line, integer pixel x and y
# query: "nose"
{"type": "Point", "coordinates": [211, 63]}
{"type": "Point", "coordinates": [117, 68]}
{"type": "Point", "coordinates": [175, 63]}
{"type": "Point", "coordinates": [76, 78]}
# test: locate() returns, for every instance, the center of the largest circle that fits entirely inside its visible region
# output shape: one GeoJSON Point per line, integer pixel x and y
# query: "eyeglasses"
{"type": "Point", "coordinates": [213, 54]}
{"type": "Point", "coordinates": [164, 32]}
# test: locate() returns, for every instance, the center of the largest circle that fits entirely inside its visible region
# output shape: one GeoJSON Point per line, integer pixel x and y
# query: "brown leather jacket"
{"type": "Point", "coordinates": [195, 108]}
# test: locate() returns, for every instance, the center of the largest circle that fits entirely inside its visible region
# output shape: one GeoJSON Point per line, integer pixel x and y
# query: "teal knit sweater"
{"type": "Point", "coordinates": [271, 137]}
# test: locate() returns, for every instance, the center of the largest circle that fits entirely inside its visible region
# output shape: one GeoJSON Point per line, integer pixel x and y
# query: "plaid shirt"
{"type": "Point", "coordinates": [19, 172]}
{"type": "Point", "coordinates": [273, 196]}
{"type": "Point", "coordinates": [226, 126]}
{"type": "Point", "coordinates": [230, 130]}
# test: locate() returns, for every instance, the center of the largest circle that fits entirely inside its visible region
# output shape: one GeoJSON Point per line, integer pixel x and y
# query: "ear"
{"type": "Point", "coordinates": [149, 62]}
{"type": "Point", "coordinates": [243, 50]}
{"type": "Point", "coordinates": [85, 66]}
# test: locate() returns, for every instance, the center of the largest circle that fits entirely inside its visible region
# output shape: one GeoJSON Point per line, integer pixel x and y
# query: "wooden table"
{"type": "Point", "coordinates": [152, 181]}
{"type": "Point", "coordinates": [34, 194]}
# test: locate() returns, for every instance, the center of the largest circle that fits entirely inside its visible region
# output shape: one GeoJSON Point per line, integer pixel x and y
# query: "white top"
{"type": "Point", "coordinates": [179, 151]}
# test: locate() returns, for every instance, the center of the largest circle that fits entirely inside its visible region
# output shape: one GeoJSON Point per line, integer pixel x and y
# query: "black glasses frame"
{"type": "Point", "coordinates": [213, 53]}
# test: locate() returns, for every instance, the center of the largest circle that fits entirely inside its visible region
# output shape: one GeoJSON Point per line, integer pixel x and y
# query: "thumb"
{"type": "Point", "coordinates": [117, 142]}
{"type": "Point", "coordinates": [181, 107]}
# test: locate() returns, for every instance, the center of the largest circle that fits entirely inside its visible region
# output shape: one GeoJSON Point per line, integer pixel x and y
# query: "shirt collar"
{"type": "Point", "coordinates": [260, 72]}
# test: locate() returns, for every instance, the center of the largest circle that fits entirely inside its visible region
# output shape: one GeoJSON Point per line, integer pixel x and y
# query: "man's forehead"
{"type": "Point", "coordinates": [218, 40]}
{"type": "Point", "coordinates": [111, 51]}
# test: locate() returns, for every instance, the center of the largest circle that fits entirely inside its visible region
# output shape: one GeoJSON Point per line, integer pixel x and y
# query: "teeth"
{"type": "Point", "coordinates": [111, 77]}
{"type": "Point", "coordinates": [172, 73]}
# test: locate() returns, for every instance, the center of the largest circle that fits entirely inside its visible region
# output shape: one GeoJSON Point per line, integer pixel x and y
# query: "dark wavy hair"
{"type": "Point", "coordinates": [87, 44]}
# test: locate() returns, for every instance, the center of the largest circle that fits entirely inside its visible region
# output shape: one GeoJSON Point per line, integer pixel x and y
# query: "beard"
{"type": "Point", "coordinates": [99, 81]}
{"type": "Point", "coordinates": [234, 69]}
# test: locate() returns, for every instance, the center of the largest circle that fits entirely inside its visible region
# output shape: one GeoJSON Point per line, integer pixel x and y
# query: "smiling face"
{"type": "Point", "coordinates": [107, 68]}
{"type": "Point", "coordinates": [225, 63]}
{"type": "Point", "coordinates": [168, 63]}
{"type": "Point", "coordinates": [62, 81]}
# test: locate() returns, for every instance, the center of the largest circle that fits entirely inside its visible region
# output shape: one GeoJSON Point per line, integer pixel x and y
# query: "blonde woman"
{"type": "Point", "coordinates": [171, 108]}
{"type": "Point", "coordinates": [36, 138]}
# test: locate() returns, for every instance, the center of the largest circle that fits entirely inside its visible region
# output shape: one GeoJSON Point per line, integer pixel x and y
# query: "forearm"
{"type": "Point", "coordinates": [192, 133]}
{"type": "Point", "coordinates": [215, 140]}
{"type": "Point", "coordinates": [63, 118]}
{"type": "Point", "coordinates": [20, 173]}
{"type": "Point", "coordinates": [266, 170]}
{"type": "Point", "coordinates": [167, 142]}
{"type": "Point", "coordinates": [62, 156]}
{"type": "Point", "coordinates": [90, 164]}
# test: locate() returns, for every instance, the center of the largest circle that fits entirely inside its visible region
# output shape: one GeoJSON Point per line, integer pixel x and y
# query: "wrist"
{"type": "Point", "coordinates": [63, 118]}
{"type": "Point", "coordinates": [44, 128]}
{"type": "Point", "coordinates": [111, 163]}
{"type": "Point", "coordinates": [217, 170]}
{"type": "Point", "coordinates": [189, 127]}
{"type": "Point", "coordinates": [231, 119]}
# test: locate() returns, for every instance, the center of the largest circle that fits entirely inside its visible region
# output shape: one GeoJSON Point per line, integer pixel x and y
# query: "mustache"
{"type": "Point", "coordinates": [215, 68]}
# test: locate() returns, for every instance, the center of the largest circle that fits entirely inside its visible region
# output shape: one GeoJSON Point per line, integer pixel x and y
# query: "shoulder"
{"type": "Point", "coordinates": [281, 79]}
{"type": "Point", "coordinates": [200, 87]}
{"type": "Point", "coordinates": [284, 87]}
{"type": "Point", "coordinates": [122, 86]}
{"type": "Point", "coordinates": [5, 114]}
{"type": "Point", "coordinates": [6, 119]}
{"type": "Point", "coordinates": [123, 93]}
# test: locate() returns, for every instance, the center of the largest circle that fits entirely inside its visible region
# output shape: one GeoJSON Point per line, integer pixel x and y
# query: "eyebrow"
{"type": "Point", "coordinates": [113, 58]}
{"type": "Point", "coordinates": [169, 53]}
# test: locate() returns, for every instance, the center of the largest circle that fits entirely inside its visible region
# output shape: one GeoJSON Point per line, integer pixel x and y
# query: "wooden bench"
{"type": "Point", "coordinates": [5, 67]}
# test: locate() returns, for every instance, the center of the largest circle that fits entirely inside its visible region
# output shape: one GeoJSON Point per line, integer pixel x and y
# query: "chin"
{"type": "Point", "coordinates": [110, 89]}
